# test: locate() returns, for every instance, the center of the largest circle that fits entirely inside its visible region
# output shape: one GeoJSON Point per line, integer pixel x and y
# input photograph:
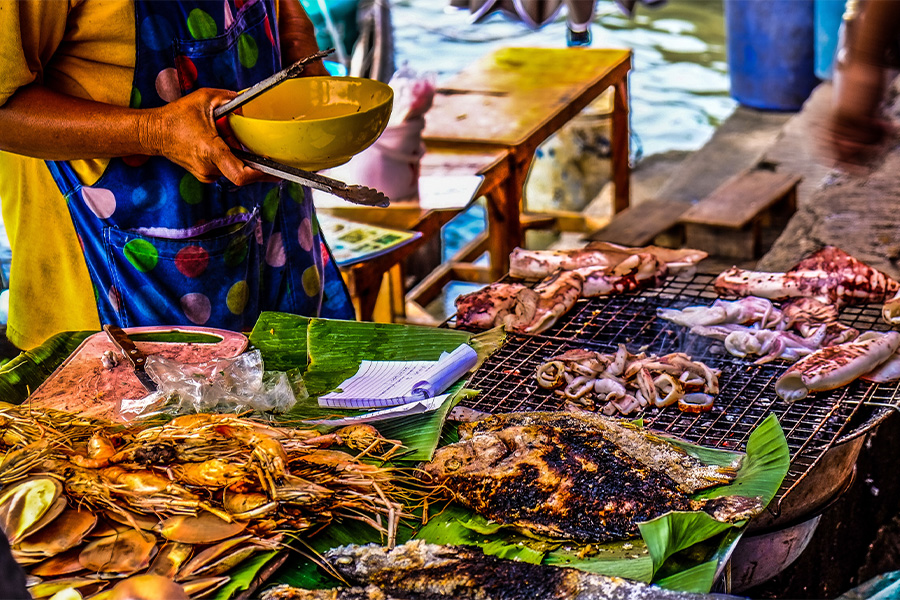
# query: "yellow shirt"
{"type": "Point", "coordinates": [83, 48]}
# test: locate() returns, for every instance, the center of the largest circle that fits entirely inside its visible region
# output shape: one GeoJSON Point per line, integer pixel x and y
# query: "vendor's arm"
{"type": "Point", "coordinates": [39, 122]}
{"type": "Point", "coordinates": [298, 36]}
{"type": "Point", "coordinates": [854, 127]}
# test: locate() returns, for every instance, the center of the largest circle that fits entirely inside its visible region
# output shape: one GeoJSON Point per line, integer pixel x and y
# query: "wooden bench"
{"type": "Point", "coordinates": [730, 221]}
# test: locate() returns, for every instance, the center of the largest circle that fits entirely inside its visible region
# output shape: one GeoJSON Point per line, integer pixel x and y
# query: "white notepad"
{"type": "Point", "coordinates": [381, 383]}
{"type": "Point", "coordinates": [409, 409]}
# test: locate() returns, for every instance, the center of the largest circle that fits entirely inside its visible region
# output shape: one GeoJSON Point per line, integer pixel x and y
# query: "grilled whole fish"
{"type": "Point", "coordinates": [286, 592]}
{"type": "Point", "coordinates": [421, 571]}
{"type": "Point", "coordinates": [577, 477]}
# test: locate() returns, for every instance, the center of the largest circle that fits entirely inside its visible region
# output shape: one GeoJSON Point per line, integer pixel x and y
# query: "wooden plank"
{"type": "Point", "coordinates": [640, 224]}
{"type": "Point", "coordinates": [470, 272]}
{"type": "Point", "coordinates": [741, 199]}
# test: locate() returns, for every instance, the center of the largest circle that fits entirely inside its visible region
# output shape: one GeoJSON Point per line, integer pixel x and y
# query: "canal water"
{"type": "Point", "coordinates": [679, 83]}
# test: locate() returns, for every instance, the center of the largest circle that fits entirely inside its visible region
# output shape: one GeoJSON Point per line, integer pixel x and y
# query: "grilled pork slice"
{"type": "Point", "coordinates": [564, 476]}
{"type": "Point", "coordinates": [421, 571]}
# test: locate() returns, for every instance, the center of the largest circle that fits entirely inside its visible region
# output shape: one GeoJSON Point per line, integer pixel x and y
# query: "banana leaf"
{"type": "Point", "coordinates": [679, 550]}
{"type": "Point", "coordinates": [243, 576]}
{"type": "Point", "coordinates": [23, 374]}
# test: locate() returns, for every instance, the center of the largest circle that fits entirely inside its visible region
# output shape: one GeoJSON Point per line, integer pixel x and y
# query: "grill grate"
{"type": "Point", "coordinates": [747, 391]}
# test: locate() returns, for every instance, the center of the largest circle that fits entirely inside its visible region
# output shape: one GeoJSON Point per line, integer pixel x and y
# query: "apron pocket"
{"type": "Point", "coordinates": [209, 279]}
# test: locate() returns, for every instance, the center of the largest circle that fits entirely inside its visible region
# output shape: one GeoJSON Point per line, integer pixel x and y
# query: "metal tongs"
{"type": "Point", "coordinates": [268, 83]}
{"type": "Point", "coordinates": [356, 194]}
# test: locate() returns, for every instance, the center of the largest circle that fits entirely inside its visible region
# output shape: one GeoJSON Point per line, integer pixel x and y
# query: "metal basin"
{"type": "Point", "coordinates": [761, 554]}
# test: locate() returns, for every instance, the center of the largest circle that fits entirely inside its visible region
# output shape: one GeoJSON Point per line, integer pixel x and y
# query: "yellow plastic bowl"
{"type": "Point", "coordinates": [315, 122]}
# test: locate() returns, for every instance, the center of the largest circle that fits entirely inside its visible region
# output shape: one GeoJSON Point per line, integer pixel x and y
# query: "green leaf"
{"type": "Point", "coordinates": [421, 433]}
{"type": "Point", "coordinates": [676, 531]}
{"type": "Point", "coordinates": [322, 353]}
{"type": "Point", "coordinates": [23, 374]}
{"type": "Point", "coordinates": [630, 560]}
{"type": "Point", "coordinates": [242, 576]}
{"type": "Point", "coordinates": [692, 579]}
{"type": "Point", "coordinates": [764, 467]}
{"type": "Point", "coordinates": [302, 572]}
{"type": "Point", "coordinates": [456, 525]}
{"type": "Point", "coordinates": [281, 338]}
{"type": "Point", "coordinates": [761, 473]}
{"type": "Point", "coordinates": [695, 569]}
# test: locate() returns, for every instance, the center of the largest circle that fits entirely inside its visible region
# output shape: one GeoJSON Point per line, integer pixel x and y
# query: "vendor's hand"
{"type": "Point", "coordinates": [851, 144]}
{"type": "Point", "coordinates": [184, 131]}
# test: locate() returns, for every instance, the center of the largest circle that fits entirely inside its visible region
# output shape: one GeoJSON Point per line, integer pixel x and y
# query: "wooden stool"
{"type": "Point", "coordinates": [730, 221]}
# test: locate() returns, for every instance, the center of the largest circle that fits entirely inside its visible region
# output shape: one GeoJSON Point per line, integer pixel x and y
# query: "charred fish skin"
{"type": "Point", "coordinates": [421, 571]}
{"type": "Point", "coordinates": [651, 450]}
{"type": "Point", "coordinates": [556, 484]}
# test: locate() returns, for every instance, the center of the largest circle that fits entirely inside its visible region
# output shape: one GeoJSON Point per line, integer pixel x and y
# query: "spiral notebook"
{"type": "Point", "coordinates": [382, 383]}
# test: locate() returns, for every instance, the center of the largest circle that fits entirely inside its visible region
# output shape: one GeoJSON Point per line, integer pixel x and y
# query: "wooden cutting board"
{"type": "Point", "coordinates": [82, 384]}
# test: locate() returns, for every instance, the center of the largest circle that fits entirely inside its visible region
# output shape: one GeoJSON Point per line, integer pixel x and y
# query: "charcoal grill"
{"type": "Point", "coordinates": [747, 392]}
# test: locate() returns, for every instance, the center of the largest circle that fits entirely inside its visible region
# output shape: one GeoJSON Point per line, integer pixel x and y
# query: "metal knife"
{"type": "Point", "coordinates": [137, 358]}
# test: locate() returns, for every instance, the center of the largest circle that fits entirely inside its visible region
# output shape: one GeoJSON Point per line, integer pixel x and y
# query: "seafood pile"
{"type": "Point", "coordinates": [753, 326]}
{"type": "Point", "coordinates": [805, 330]}
{"type": "Point", "coordinates": [565, 277]}
{"type": "Point", "coordinates": [418, 570]}
{"type": "Point", "coordinates": [624, 383]}
{"type": "Point", "coordinates": [577, 477]}
{"type": "Point", "coordinates": [86, 501]}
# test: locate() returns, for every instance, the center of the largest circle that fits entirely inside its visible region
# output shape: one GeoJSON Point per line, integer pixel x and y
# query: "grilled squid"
{"type": "Point", "coordinates": [834, 366]}
{"type": "Point", "coordinates": [623, 382]}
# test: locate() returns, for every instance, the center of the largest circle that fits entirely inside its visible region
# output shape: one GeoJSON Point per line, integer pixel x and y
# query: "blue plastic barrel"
{"type": "Point", "coordinates": [829, 15]}
{"type": "Point", "coordinates": [770, 50]}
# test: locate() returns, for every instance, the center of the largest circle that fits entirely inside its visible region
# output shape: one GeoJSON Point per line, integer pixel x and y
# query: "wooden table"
{"type": "Point", "coordinates": [513, 100]}
{"type": "Point", "coordinates": [377, 285]}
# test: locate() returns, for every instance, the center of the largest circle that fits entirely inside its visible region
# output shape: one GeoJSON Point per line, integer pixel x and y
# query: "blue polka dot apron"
{"type": "Point", "coordinates": [161, 247]}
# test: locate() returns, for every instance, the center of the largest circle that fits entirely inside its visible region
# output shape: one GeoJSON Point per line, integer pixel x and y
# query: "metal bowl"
{"type": "Point", "coordinates": [314, 123]}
